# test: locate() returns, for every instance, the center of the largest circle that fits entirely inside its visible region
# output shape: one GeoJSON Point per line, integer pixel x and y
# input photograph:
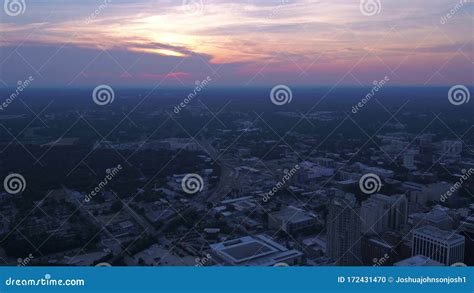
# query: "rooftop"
{"type": "Point", "coordinates": [253, 250]}
{"type": "Point", "coordinates": [417, 260]}
{"type": "Point", "coordinates": [433, 232]}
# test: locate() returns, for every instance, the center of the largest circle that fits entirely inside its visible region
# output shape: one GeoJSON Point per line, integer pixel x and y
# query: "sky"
{"type": "Point", "coordinates": [241, 43]}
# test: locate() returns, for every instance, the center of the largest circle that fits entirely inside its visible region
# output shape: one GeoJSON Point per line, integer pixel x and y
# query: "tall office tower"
{"type": "Point", "coordinates": [445, 247]}
{"type": "Point", "coordinates": [344, 231]}
{"type": "Point", "coordinates": [381, 213]}
{"type": "Point", "coordinates": [398, 214]}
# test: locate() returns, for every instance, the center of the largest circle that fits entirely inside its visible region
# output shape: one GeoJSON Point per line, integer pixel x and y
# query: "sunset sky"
{"type": "Point", "coordinates": [251, 43]}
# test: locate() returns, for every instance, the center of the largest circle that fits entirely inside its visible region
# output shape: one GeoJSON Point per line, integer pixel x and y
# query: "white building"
{"type": "Point", "coordinates": [443, 246]}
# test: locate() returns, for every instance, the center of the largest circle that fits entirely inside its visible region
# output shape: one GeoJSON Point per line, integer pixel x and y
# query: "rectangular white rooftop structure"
{"type": "Point", "coordinates": [258, 250]}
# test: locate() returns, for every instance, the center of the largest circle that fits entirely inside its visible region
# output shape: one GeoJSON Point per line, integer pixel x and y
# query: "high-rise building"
{"type": "Point", "coordinates": [344, 231]}
{"type": "Point", "coordinates": [381, 213]}
{"type": "Point", "coordinates": [443, 246]}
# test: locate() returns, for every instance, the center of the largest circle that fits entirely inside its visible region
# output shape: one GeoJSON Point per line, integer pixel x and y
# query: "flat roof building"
{"type": "Point", "coordinates": [258, 250]}
{"type": "Point", "coordinates": [418, 261]}
{"type": "Point", "coordinates": [446, 247]}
